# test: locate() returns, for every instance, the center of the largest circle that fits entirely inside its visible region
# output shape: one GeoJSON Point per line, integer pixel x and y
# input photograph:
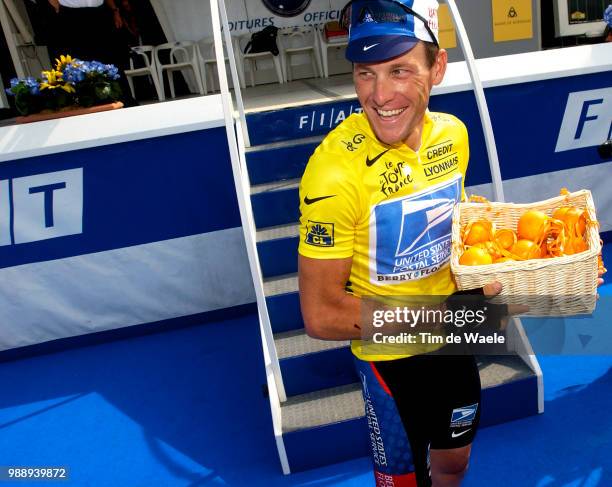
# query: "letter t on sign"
{"type": "Point", "coordinates": [48, 191]}
{"type": "Point", "coordinates": [48, 205]}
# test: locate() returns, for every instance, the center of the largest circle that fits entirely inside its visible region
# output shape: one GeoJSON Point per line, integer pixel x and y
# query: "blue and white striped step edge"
{"type": "Point", "coordinates": [297, 343]}
{"type": "Point", "coordinates": [289, 230]}
{"type": "Point", "coordinates": [275, 186]}
{"type": "Point", "coordinates": [287, 283]}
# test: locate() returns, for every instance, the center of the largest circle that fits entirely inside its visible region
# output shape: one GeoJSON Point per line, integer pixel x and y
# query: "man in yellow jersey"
{"type": "Point", "coordinates": [376, 221]}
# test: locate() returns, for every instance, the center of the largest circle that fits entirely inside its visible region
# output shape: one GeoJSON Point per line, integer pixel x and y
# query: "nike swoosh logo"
{"type": "Point", "coordinates": [309, 201]}
{"type": "Point", "coordinates": [369, 161]}
{"type": "Point", "coordinates": [367, 48]}
{"type": "Point", "coordinates": [460, 434]}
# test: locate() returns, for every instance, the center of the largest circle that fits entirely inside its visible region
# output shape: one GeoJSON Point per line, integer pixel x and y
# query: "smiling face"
{"type": "Point", "coordinates": [395, 93]}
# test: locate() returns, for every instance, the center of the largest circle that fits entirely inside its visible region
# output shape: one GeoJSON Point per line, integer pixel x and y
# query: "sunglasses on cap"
{"type": "Point", "coordinates": [381, 12]}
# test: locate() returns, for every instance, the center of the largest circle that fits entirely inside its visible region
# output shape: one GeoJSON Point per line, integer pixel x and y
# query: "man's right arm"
{"type": "Point", "coordinates": [329, 312]}
{"type": "Point", "coordinates": [329, 212]}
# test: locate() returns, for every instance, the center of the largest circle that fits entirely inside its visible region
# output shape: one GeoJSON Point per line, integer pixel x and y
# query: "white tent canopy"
{"type": "Point", "coordinates": [190, 20]}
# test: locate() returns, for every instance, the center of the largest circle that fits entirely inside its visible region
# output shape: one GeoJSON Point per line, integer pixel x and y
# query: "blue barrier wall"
{"type": "Point", "coordinates": [119, 235]}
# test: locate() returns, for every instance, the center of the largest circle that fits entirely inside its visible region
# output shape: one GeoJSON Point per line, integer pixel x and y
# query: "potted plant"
{"type": "Point", "coordinates": [71, 87]}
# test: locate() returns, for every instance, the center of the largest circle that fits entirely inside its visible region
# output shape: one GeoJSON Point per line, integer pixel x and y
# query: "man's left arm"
{"type": "Point", "coordinates": [117, 19]}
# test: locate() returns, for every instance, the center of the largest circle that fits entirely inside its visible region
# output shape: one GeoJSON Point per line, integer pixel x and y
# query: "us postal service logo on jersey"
{"type": "Point", "coordinates": [410, 237]}
{"type": "Point", "coordinates": [464, 416]}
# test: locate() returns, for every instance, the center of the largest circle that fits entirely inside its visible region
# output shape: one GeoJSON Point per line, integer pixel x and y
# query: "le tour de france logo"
{"type": "Point", "coordinates": [286, 8]}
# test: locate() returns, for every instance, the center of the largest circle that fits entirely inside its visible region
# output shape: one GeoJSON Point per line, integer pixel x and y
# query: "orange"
{"type": "Point", "coordinates": [533, 225]}
{"type": "Point", "coordinates": [525, 249]}
{"type": "Point", "coordinates": [505, 238]}
{"type": "Point", "coordinates": [475, 256]}
{"type": "Point", "coordinates": [477, 231]}
{"type": "Point", "coordinates": [559, 213]}
{"type": "Point", "coordinates": [490, 247]}
{"type": "Point", "coordinates": [575, 220]}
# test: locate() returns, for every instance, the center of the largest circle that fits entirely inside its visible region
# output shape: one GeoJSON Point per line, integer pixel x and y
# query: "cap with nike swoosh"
{"type": "Point", "coordinates": [384, 29]}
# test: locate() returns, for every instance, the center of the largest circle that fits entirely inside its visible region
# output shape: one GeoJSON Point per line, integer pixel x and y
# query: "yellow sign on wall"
{"type": "Point", "coordinates": [446, 28]}
{"type": "Point", "coordinates": [512, 20]}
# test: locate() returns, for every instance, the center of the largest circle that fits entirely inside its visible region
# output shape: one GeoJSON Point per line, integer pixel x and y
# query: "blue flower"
{"type": "Point", "coordinates": [32, 84]}
{"type": "Point", "coordinates": [29, 82]}
{"type": "Point", "coordinates": [112, 72]}
{"type": "Point", "coordinates": [74, 73]}
{"type": "Point", "coordinates": [608, 16]}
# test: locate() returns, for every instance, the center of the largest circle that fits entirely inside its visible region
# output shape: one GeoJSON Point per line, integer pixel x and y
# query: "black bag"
{"type": "Point", "coordinates": [263, 41]}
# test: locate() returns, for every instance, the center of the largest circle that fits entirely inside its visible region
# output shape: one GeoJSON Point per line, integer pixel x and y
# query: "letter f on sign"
{"type": "Point", "coordinates": [585, 117]}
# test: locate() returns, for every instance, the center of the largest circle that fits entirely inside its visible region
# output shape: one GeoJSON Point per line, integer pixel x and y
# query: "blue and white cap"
{"type": "Point", "coordinates": [384, 29]}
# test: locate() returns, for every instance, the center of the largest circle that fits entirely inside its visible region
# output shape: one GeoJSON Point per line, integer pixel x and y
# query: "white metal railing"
{"type": "Point", "coordinates": [241, 180]}
{"type": "Point", "coordinates": [237, 142]}
{"type": "Point", "coordinates": [523, 346]}
{"type": "Point", "coordinates": [483, 108]}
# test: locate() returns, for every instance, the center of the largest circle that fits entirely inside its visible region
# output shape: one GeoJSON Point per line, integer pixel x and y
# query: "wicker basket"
{"type": "Point", "coordinates": [559, 286]}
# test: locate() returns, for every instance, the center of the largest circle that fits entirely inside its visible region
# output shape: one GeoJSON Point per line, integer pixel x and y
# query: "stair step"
{"type": "Point", "coordinates": [328, 426]}
{"type": "Point", "coordinates": [280, 160]}
{"type": "Point", "coordinates": [287, 283]}
{"type": "Point", "coordinates": [275, 203]}
{"type": "Point", "coordinates": [275, 186]}
{"type": "Point", "coordinates": [346, 402]}
{"type": "Point", "coordinates": [283, 144]}
{"type": "Point", "coordinates": [322, 407]}
{"type": "Point", "coordinates": [298, 123]}
{"type": "Point", "coordinates": [277, 232]}
{"type": "Point", "coordinates": [295, 343]}
{"type": "Point", "coordinates": [308, 364]}
{"type": "Point", "coordinates": [285, 312]}
{"type": "Point", "coordinates": [283, 302]}
{"type": "Point", "coordinates": [277, 249]}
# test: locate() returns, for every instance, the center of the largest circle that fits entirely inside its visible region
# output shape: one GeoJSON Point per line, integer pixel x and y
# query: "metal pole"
{"type": "Point", "coordinates": [234, 71]}
{"type": "Point", "coordinates": [244, 203]}
{"type": "Point", "coordinates": [483, 108]}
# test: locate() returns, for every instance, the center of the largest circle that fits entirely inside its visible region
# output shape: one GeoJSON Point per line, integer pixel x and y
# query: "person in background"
{"type": "Point", "coordinates": [93, 30]}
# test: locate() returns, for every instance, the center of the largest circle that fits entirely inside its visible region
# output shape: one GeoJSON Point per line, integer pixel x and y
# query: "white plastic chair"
{"type": "Point", "coordinates": [324, 45]}
{"type": "Point", "coordinates": [208, 61]}
{"type": "Point", "coordinates": [184, 55]}
{"type": "Point", "coordinates": [299, 41]}
{"type": "Point", "coordinates": [149, 69]}
{"type": "Point", "coordinates": [250, 60]}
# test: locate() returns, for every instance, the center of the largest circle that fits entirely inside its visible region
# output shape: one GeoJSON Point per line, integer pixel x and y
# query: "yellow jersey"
{"type": "Point", "coordinates": [387, 207]}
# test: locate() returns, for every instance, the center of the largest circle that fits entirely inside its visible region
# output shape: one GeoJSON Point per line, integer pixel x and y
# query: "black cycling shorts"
{"type": "Point", "coordinates": [415, 404]}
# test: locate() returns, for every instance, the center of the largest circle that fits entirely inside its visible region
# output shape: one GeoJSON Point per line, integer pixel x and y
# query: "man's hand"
{"type": "Point", "coordinates": [117, 19]}
{"type": "Point", "coordinates": [55, 4]}
{"type": "Point", "coordinates": [493, 289]}
{"type": "Point", "coordinates": [601, 269]}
